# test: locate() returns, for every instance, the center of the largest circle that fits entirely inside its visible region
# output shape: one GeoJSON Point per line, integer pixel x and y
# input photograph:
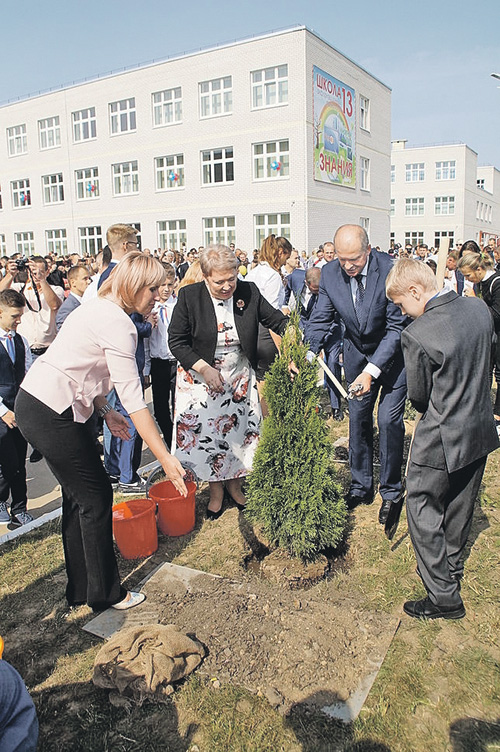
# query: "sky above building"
{"type": "Point", "coordinates": [437, 56]}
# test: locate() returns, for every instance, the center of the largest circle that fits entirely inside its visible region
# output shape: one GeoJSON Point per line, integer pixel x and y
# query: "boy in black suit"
{"type": "Point", "coordinates": [447, 351]}
{"type": "Point", "coordinates": [15, 359]}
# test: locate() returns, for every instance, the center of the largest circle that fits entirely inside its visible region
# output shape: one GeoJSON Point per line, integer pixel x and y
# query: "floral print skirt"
{"type": "Point", "coordinates": [216, 434]}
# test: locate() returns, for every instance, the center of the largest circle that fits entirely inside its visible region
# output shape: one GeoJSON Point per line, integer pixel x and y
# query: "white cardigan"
{"type": "Point", "coordinates": [94, 351]}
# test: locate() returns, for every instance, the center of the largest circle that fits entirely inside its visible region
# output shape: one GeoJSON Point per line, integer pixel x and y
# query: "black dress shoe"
{"type": "Point", "coordinates": [353, 500]}
{"type": "Point", "coordinates": [211, 515]}
{"type": "Point", "coordinates": [338, 414]}
{"type": "Point", "coordinates": [425, 609]}
{"type": "Point", "coordinates": [383, 512]}
{"type": "Point", "coordinates": [36, 456]}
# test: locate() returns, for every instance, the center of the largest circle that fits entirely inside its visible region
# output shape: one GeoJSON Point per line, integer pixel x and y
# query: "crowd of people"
{"type": "Point", "coordinates": [84, 337]}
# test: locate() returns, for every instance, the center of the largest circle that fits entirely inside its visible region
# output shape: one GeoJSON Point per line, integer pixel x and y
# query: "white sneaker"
{"type": "Point", "coordinates": [4, 515]}
{"type": "Point", "coordinates": [132, 599]}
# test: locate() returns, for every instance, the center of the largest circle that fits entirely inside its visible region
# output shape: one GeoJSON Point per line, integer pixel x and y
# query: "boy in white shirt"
{"type": "Point", "coordinates": [163, 366]}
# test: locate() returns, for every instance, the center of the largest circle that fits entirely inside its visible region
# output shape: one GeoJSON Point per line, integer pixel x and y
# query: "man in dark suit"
{"type": "Point", "coordinates": [447, 351]}
{"type": "Point", "coordinates": [78, 280]}
{"type": "Point", "coordinates": [305, 288]}
{"type": "Point", "coordinates": [191, 256]}
{"type": "Point", "coordinates": [353, 286]}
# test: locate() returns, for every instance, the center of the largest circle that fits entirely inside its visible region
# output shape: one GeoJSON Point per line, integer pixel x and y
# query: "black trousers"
{"type": "Point", "coordinates": [266, 352]}
{"type": "Point", "coordinates": [163, 376]}
{"type": "Point", "coordinates": [71, 454]}
{"type": "Point", "coordinates": [13, 468]}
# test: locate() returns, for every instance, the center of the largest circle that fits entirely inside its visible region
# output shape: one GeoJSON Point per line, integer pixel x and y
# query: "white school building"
{"type": "Point", "coordinates": [277, 133]}
{"type": "Point", "coordinates": [440, 191]}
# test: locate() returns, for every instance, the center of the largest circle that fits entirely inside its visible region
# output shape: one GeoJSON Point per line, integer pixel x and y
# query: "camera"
{"type": "Point", "coordinates": [21, 263]}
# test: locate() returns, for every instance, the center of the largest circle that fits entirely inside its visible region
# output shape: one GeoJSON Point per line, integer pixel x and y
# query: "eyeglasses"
{"type": "Point", "coordinates": [133, 242]}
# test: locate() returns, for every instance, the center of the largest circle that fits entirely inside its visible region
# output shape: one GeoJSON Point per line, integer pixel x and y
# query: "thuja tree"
{"type": "Point", "coordinates": [292, 490]}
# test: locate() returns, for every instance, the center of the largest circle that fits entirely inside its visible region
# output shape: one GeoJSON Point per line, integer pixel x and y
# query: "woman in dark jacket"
{"type": "Point", "coordinates": [213, 335]}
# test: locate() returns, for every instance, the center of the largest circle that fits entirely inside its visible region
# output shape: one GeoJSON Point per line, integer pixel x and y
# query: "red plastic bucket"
{"type": "Point", "coordinates": [134, 528]}
{"type": "Point", "coordinates": [176, 513]}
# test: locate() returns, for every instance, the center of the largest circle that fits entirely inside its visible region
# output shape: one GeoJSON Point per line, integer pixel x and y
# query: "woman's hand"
{"type": "Point", "coordinates": [469, 293]}
{"type": "Point", "coordinates": [175, 473]}
{"type": "Point", "coordinates": [213, 378]}
{"type": "Point", "coordinates": [118, 425]}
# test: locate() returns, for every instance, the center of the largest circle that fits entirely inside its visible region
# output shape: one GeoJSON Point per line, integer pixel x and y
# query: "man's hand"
{"type": "Point", "coordinates": [213, 378]}
{"type": "Point", "coordinates": [10, 419]}
{"type": "Point", "coordinates": [469, 292]}
{"type": "Point", "coordinates": [365, 381]}
{"type": "Point", "coordinates": [118, 425]}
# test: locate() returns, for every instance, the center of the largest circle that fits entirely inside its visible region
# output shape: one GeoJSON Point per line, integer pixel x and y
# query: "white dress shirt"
{"type": "Point", "coordinates": [269, 282]}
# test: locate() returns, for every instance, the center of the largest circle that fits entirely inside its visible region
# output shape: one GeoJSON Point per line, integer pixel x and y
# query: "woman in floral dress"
{"type": "Point", "coordinates": [213, 335]}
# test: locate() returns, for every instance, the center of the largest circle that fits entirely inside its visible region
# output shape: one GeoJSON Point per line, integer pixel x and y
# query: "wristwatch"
{"type": "Point", "coordinates": [104, 410]}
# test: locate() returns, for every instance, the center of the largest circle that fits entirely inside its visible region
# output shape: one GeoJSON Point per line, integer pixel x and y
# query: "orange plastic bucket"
{"type": "Point", "coordinates": [176, 513]}
{"type": "Point", "coordinates": [134, 528]}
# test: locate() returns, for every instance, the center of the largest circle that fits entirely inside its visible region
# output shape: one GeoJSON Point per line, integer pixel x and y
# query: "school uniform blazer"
{"type": "Point", "coordinates": [376, 338]}
{"type": "Point", "coordinates": [447, 353]}
{"type": "Point", "coordinates": [192, 334]}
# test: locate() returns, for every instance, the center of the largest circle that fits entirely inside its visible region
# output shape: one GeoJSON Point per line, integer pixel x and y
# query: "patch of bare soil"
{"type": "Point", "coordinates": [290, 646]}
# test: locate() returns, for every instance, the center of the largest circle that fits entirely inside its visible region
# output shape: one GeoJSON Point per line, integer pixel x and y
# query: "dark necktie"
{"type": "Point", "coordinates": [360, 296]}
{"type": "Point", "coordinates": [311, 304]}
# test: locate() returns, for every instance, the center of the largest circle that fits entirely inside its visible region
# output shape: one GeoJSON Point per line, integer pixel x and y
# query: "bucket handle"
{"type": "Point", "coordinates": [158, 470]}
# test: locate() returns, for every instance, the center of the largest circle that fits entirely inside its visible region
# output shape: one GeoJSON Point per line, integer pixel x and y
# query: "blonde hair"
{"type": "Point", "coordinates": [134, 272]}
{"type": "Point", "coordinates": [217, 257]}
{"type": "Point", "coordinates": [270, 250]}
{"type": "Point", "coordinates": [117, 234]}
{"type": "Point", "coordinates": [406, 272]}
{"type": "Point", "coordinates": [475, 261]}
{"type": "Point", "coordinates": [193, 274]}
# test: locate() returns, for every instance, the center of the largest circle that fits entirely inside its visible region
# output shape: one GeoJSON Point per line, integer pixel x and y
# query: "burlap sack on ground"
{"type": "Point", "coordinates": [139, 662]}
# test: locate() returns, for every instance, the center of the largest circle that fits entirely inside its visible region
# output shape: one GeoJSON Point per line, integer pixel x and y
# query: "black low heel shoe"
{"type": "Point", "coordinates": [215, 515]}
{"type": "Point", "coordinates": [229, 498]}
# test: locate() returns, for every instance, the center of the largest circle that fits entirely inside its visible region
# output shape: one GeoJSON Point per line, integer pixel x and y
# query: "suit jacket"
{"type": "Point", "coordinates": [447, 353]}
{"type": "Point", "coordinates": [295, 283]}
{"type": "Point", "coordinates": [376, 338]}
{"type": "Point", "coordinates": [65, 309]}
{"type": "Point", "coordinates": [182, 269]}
{"type": "Point", "coordinates": [193, 330]}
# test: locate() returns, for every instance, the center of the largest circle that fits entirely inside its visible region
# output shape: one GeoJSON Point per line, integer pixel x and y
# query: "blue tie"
{"type": "Point", "coordinates": [11, 347]}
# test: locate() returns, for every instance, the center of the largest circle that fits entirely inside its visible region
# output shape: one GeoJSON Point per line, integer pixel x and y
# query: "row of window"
{"type": "Point", "coordinates": [414, 207]}
{"type": "Point", "coordinates": [484, 211]}
{"type": "Point", "coordinates": [171, 233]}
{"type": "Point", "coordinates": [271, 160]}
{"type": "Point", "coordinates": [269, 88]}
{"type": "Point", "coordinates": [415, 171]}
{"type": "Point", "coordinates": [416, 237]}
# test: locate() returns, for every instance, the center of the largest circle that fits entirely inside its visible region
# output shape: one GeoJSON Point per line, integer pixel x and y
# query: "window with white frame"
{"type": "Point", "coordinates": [167, 106]}
{"type": "Point", "coordinates": [49, 133]}
{"type": "Point", "coordinates": [219, 230]}
{"type": "Point", "coordinates": [446, 170]}
{"type": "Point", "coordinates": [21, 195]}
{"type": "Point", "coordinates": [17, 140]}
{"type": "Point", "coordinates": [216, 97]}
{"type": "Point", "coordinates": [477, 209]}
{"type": "Point", "coordinates": [138, 236]}
{"type": "Point", "coordinates": [444, 205]}
{"type": "Point", "coordinates": [122, 116]}
{"type": "Point", "coordinates": [393, 207]}
{"type": "Point", "coordinates": [3, 245]}
{"type": "Point", "coordinates": [24, 243]}
{"type": "Point", "coordinates": [365, 224]}
{"type": "Point", "coordinates": [169, 172]}
{"type": "Point", "coordinates": [172, 234]}
{"type": "Point", "coordinates": [480, 183]}
{"type": "Point", "coordinates": [1, 200]}
{"type": "Point", "coordinates": [271, 159]}
{"type": "Point", "coordinates": [125, 178]}
{"type": "Point", "coordinates": [56, 241]}
{"type": "Point", "coordinates": [270, 86]}
{"type": "Point", "coordinates": [393, 173]}
{"type": "Point", "coordinates": [414, 238]}
{"type": "Point", "coordinates": [87, 183]}
{"type": "Point", "coordinates": [90, 240]}
{"type": "Point", "coordinates": [364, 113]}
{"type": "Point", "coordinates": [365, 173]}
{"type": "Point", "coordinates": [392, 239]}
{"type": "Point", "coordinates": [443, 234]}
{"type": "Point", "coordinates": [414, 207]}
{"type": "Point", "coordinates": [217, 166]}
{"type": "Point", "coordinates": [415, 172]}
{"type": "Point", "coordinates": [53, 188]}
{"type": "Point", "coordinates": [84, 125]}
{"type": "Point", "coordinates": [271, 224]}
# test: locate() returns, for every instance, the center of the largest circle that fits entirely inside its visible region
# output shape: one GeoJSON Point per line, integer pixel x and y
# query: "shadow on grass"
{"type": "Point", "coordinates": [317, 732]}
{"type": "Point", "coordinates": [474, 735]}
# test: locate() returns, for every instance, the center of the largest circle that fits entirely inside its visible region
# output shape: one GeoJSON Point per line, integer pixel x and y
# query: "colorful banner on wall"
{"type": "Point", "coordinates": [334, 113]}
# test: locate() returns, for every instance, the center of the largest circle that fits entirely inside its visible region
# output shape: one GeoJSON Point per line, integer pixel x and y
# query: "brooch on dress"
{"type": "Point", "coordinates": [240, 304]}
